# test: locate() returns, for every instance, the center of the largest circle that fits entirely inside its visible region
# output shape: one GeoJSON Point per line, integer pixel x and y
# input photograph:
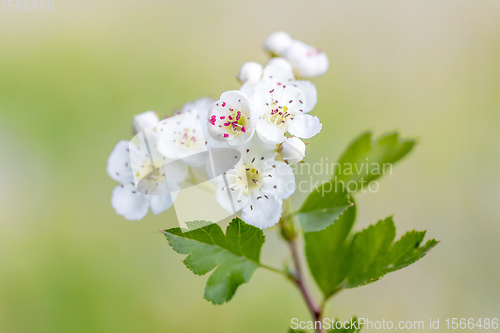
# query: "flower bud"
{"type": "Point", "coordinates": [277, 42]}
{"type": "Point", "coordinates": [144, 120]}
{"type": "Point", "coordinates": [293, 150]}
{"type": "Point", "coordinates": [307, 61]}
{"type": "Point", "coordinates": [250, 72]}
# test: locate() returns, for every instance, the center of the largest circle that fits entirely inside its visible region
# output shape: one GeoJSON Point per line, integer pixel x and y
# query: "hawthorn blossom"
{"type": "Point", "coordinates": [281, 110]}
{"type": "Point", "coordinates": [181, 138]}
{"type": "Point", "coordinates": [231, 118]}
{"type": "Point", "coordinates": [256, 185]}
{"type": "Point", "coordinates": [307, 61]}
{"type": "Point", "coordinates": [146, 178]}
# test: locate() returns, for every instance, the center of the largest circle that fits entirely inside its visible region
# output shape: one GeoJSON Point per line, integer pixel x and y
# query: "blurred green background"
{"type": "Point", "coordinates": [71, 80]}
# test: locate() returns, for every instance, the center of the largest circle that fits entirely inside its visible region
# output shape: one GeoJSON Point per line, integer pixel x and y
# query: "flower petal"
{"type": "Point", "coordinates": [236, 99]}
{"type": "Point", "coordinates": [129, 203]}
{"type": "Point", "coordinates": [279, 179]}
{"type": "Point", "coordinates": [305, 126]}
{"type": "Point", "coordinates": [278, 70]}
{"type": "Point", "coordinates": [176, 172]}
{"type": "Point", "coordinates": [269, 133]}
{"type": "Point", "coordinates": [181, 136]}
{"type": "Point", "coordinates": [160, 203]}
{"type": "Point", "coordinates": [257, 151]}
{"type": "Point", "coordinates": [234, 199]}
{"type": "Point", "coordinates": [144, 120]}
{"type": "Point", "coordinates": [310, 94]}
{"type": "Point", "coordinates": [118, 166]}
{"type": "Point", "coordinates": [262, 212]}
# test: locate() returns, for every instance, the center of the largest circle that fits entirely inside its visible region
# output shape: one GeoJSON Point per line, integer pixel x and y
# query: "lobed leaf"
{"type": "Point", "coordinates": [374, 254]}
{"type": "Point", "coordinates": [234, 256]}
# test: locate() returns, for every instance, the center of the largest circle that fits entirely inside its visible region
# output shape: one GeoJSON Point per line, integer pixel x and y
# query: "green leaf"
{"type": "Point", "coordinates": [374, 254]}
{"type": "Point", "coordinates": [351, 326]}
{"type": "Point", "coordinates": [328, 252]}
{"type": "Point", "coordinates": [291, 330]}
{"type": "Point", "coordinates": [234, 256]}
{"type": "Point", "coordinates": [323, 206]}
{"type": "Point", "coordinates": [365, 160]}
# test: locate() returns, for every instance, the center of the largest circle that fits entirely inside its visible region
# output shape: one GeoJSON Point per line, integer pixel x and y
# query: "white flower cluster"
{"type": "Point", "coordinates": [264, 121]}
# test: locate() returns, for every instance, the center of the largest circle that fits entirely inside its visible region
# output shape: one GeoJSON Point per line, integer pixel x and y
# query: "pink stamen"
{"type": "Point", "coordinates": [226, 135]}
{"type": "Point", "coordinates": [223, 104]}
{"type": "Point", "coordinates": [243, 129]}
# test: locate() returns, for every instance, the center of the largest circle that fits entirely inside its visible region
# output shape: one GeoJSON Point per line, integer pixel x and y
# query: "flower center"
{"type": "Point", "coordinates": [233, 124]}
{"type": "Point", "coordinates": [152, 179]}
{"type": "Point", "coordinates": [188, 138]}
{"type": "Point", "coordinates": [246, 178]}
{"type": "Point", "coordinates": [279, 116]}
{"type": "Point", "coordinates": [254, 179]}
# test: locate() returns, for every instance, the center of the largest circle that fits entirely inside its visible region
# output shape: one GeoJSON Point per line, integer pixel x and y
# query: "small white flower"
{"type": "Point", "coordinates": [307, 61]}
{"type": "Point", "coordinates": [130, 161]}
{"type": "Point", "coordinates": [257, 185]}
{"type": "Point", "coordinates": [144, 120]}
{"type": "Point", "coordinates": [281, 110]}
{"type": "Point", "coordinates": [181, 138]}
{"type": "Point", "coordinates": [293, 150]}
{"type": "Point", "coordinates": [231, 118]}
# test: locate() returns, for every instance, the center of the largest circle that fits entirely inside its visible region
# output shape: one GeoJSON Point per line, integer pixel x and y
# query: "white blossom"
{"type": "Point", "coordinates": [145, 178]}
{"type": "Point", "coordinates": [181, 138]}
{"type": "Point", "coordinates": [231, 118]}
{"type": "Point", "coordinates": [257, 185]}
{"type": "Point", "coordinates": [281, 110]}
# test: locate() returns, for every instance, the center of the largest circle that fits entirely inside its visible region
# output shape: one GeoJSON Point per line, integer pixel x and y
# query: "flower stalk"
{"type": "Point", "coordinates": [290, 234]}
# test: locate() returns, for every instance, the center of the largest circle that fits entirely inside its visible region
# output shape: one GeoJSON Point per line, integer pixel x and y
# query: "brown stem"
{"type": "Point", "coordinates": [314, 308]}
